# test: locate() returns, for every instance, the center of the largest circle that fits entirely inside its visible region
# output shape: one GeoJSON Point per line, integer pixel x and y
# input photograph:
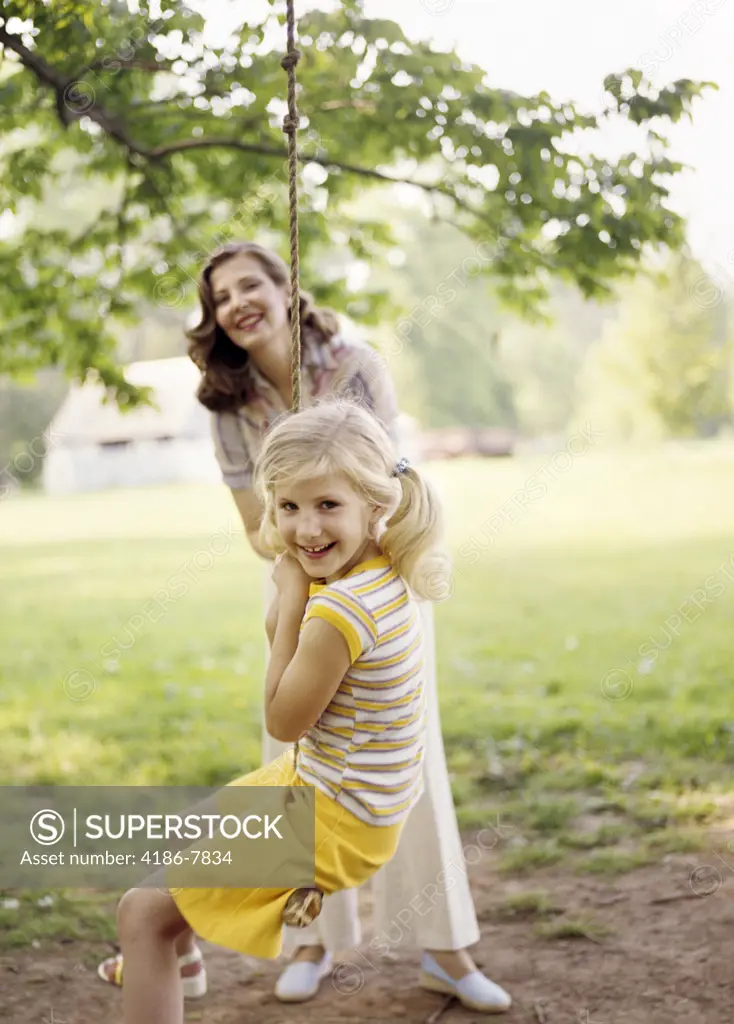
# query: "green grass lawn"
{"type": "Point", "coordinates": [133, 652]}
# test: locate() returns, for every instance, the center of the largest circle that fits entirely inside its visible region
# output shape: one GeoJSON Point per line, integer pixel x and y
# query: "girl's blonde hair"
{"type": "Point", "coordinates": [340, 437]}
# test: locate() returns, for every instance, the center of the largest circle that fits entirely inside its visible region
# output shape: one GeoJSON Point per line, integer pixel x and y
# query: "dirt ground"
{"type": "Point", "coordinates": [665, 959]}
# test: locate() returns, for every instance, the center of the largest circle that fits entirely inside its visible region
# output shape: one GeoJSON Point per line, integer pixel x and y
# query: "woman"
{"type": "Point", "coordinates": [243, 348]}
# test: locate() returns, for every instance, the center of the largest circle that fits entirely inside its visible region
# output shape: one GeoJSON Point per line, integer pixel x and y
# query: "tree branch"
{"type": "Point", "coordinates": [116, 63]}
{"type": "Point", "coordinates": [31, 60]}
{"type": "Point", "coordinates": [50, 76]}
{"type": "Point", "coordinates": [355, 104]}
{"type": "Point", "coordinates": [118, 131]}
{"type": "Point", "coordinates": [160, 152]}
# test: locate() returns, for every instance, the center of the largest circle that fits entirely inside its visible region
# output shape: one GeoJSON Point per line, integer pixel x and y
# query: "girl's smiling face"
{"type": "Point", "coordinates": [325, 524]}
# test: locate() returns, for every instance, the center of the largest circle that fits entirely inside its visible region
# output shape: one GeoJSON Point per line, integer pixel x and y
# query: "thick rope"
{"type": "Point", "coordinates": [290, 127]}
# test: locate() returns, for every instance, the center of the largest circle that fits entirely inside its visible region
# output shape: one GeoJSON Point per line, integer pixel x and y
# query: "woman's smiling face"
{"type": "Point", "coordinates": [248, 305]}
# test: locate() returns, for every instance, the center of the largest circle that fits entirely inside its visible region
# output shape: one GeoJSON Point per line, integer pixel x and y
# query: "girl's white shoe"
{"type": "Point", "coordinates": [193, 982]}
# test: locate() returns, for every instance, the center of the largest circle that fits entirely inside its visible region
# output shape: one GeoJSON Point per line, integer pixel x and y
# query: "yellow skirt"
{"type": "Point", "coordinates": [347, 853]}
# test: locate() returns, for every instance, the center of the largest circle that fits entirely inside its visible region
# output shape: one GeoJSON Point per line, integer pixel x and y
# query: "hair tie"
{"type": "Point", "coordinates": [401, 467]}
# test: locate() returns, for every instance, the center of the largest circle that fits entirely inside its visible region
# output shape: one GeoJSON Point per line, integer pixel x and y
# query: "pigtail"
{"type": "Point", "coordinates": [413, 538]}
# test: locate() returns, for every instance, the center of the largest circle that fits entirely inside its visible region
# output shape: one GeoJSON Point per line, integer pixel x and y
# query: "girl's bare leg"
{"type": "Point", "coordinates": [149, 926]}
{"type": "Point", "coordinates": [185, 943]}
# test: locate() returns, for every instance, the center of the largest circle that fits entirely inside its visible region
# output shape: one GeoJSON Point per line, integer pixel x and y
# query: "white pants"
{"type": "Point", "coordinates": [421, 897]}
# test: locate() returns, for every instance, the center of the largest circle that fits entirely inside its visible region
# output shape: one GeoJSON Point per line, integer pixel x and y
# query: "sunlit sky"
{"type": "Point", "coordinates": [567, 47]}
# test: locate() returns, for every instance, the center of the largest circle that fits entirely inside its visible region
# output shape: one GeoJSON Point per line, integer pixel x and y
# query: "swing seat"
{"type": "Point", "coordinates": [302, 908]}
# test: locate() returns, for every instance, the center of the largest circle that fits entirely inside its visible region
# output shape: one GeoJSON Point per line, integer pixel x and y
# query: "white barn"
{"type": "Point", "coordinates": [95, 446]}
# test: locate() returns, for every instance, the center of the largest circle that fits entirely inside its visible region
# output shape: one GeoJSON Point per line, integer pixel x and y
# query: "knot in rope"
{"type": "Point", "coordinates": [290, 60]}
{"type": "Point", "coordinates": [290, 124]}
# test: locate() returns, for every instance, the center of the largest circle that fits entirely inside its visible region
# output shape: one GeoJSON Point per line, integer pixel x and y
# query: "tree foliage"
{"type": "Point", "coordinates": [457, 357]}
{"type": "Point", "coordinates": [186, 138]}
{"type": "Point", "coordinates": [661, 369]}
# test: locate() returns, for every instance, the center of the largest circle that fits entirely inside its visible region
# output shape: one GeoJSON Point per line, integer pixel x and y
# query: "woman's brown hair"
{"type": "Point", "coordinates": [225, 384]}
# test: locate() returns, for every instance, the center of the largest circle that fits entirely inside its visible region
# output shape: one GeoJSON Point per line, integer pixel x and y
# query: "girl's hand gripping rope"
{"type": "Point", "coordinates": [291, 579]}
{"type": "Point", "coordinates": [303, 905]}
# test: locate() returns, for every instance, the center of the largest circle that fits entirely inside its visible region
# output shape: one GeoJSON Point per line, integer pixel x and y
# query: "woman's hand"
{"type": "Point", "coordinates": [291, 579]}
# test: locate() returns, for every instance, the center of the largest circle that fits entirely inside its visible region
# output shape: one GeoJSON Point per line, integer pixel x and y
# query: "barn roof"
{"type": "Point", "coordinates": [85, 418]}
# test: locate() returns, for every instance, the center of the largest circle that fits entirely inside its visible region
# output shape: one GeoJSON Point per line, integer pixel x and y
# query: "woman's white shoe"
{"type": "Point", "coordinates": [301, 979]}
{"type": "Point", "coordinates": [474, 991]}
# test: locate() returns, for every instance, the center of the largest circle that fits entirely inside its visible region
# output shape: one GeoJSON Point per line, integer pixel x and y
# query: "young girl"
{"type": "Point", "coordinates": [358, 534]}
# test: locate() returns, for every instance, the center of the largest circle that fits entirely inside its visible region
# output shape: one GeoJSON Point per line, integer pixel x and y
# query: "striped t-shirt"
{"type": "Point", "coordinates": [366, 750]}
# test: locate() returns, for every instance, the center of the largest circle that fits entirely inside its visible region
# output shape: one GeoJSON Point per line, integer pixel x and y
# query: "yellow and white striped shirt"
{"type": "Point", "coordinates": [366, 750]}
